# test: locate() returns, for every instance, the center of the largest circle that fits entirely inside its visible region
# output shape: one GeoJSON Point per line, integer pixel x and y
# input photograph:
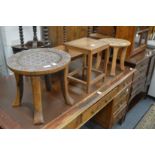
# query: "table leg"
{"type": "Point", "coordinates": [64, 87]}
{"type": "Point", "coordinates": [106, 60]}
{"type": "Point", "coordinates": [114, 59]}
{"type": "Point", "coordinates": [89, 75]}
{"type": "Point", "coordinates": [36, 89]}
{"type": "Point", "coordinates": [122, 58]}
{"type": "Point", "coordinates": [19, 90]}
{"type": "Point", "coordinates": [98, 60]}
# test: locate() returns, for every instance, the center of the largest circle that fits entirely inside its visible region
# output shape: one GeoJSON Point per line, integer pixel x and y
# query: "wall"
{"type": "Point", "coordinates": [3, 70]}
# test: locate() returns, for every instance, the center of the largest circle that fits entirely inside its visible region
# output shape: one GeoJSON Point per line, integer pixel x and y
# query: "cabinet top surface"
{"type": "Point", "coordinates": [41, 60]}
{"type": "Point", "coordinates": [141, 57]}
{"type": "Point", "coordinates": [87, 44]}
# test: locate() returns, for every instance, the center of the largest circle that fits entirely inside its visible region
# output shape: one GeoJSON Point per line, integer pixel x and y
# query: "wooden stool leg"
{"type": "Point", "coordinates": [106, 60]}
{"type": "Point", "coordinates": [122, 58]}
{"type": "Point", "coordinates": [98, 60]}
{"type": "Point", "coordinates": [84, 65]}
{"type": "Point", "coordinates": [90, 58]}
{"type": "Point", "coordinates": [64, 86]}
{"type": "Point", "coordinates": [36, 89]}
{"type": "Point", "coordinates": [114, 59]}
{"type": "Point", "coordinates": [19, 90]}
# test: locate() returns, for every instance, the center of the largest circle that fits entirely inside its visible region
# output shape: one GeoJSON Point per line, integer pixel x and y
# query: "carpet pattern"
{"type": "Point", "coordinates": [148, 120]}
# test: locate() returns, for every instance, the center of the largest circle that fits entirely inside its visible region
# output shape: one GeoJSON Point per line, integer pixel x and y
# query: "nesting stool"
{"type": "Point", "coordinates": [117, 44]}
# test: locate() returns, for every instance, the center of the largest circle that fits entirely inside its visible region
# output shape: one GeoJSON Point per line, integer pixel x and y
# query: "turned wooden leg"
{"type": "Point", "coordinates": [19, 90]}
{"type": "Point", "coordinates": [36, 89]}
{"type": "Point", "coordinates": [106, 60]}
{"type": "Point", "coordinates": [122, 58]}
{"type": "Point", "coordinates": [89, 75]}
{"type": "Point", "coordinates": [64, 87]}
{"type": "Point", "coordinates": [47, 82]}
{"type": "Point", "coordinates": [98, 60]}
{"type": "Point", "coordinates": [114, 59]}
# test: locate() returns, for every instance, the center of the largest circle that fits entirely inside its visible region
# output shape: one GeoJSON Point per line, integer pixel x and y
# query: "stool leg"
{"type": "Point", "coordinates": [36, 89]}
{"type": "Point", "coordinates": [98, 59]}
{"type": "Point", "coordinates": [19, 90]}
{"type": "Point", "coordinates": [90, 59]}
{"type": "Point", "coordinates": [106, 60]}
{"type": "Point", "coordinates": [64, 87]}
{"type": "Point", "coordinates": [84, 65]}
{"type": "Point", "coordinates": [114, 59]}
{"type": "Point", "coordinates": [122, 58]}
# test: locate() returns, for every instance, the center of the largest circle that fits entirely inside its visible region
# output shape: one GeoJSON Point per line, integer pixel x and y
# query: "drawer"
{"type": "Point", "coordinates": [121, 99]}
{"type": "Point", "coordinates": [140, 72]}
{"type": "Point", "coordinates": [119, 115]}
{"type": "Point", "coordinates": [138, 81]}
{"type": "Point", "coordinates": [122, 93]}
{"type": "Point", "coordinates": [125, 83]}
{"type": "Point", "coordinates": [122, 103]}
{"type": "Point", "coordinates": [106, 99]}
{"type": "Point", "coordinates": [140, 88]}
{"type": "Point", "coordinates": [142, 64]}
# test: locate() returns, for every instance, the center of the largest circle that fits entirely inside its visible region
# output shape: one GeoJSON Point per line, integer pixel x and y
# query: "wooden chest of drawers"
{"type": "Point", "coordinates": [116, 111]}
{"type": "Point", "coordinates": [144, 65]}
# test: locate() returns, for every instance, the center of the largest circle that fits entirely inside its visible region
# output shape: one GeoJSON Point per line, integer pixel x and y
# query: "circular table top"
{"type": "Point", "coordinates": [115, 42]}
{"type": "Point", "coordinates": [38, 61]}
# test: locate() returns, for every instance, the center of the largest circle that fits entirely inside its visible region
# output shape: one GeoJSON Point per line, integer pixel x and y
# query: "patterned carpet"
{"type": "Point", "coordinates": [148, 120]}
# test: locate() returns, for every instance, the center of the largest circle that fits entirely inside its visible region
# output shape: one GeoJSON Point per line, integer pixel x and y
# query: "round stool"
{"type": "Point", "coordinates": [117, 44]}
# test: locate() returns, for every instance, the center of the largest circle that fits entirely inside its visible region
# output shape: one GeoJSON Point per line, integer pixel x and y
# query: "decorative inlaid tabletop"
{"type": "Point", "coordinates": [115, 42]}
{"type": "Point", "coordinates": [86, 43]}
{"type": "Point", "coordinates": [38, 61]}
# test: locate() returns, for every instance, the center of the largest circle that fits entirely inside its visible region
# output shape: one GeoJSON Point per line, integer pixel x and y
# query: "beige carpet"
{"type": "Point", "coordinates": [148, 120]}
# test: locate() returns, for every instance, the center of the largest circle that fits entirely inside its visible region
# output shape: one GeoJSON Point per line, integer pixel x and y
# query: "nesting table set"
{"type": "Point", "coordinates": [39, 62]}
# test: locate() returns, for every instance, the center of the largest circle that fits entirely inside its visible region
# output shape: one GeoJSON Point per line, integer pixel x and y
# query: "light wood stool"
{"type": "Point", "coordinates": [34, 63]}
{"type": "Point", "coordinates": [89, 47]}
{"type": "Point", "coordinates": [117, 44]}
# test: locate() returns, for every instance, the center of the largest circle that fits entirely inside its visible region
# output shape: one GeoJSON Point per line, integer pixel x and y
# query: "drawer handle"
{"type": "Point", "coordinates": [99, 92]}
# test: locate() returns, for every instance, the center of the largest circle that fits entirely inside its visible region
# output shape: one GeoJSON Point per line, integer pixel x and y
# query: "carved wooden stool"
{"type": "Point", "coordinates": [117, 44]}
{"type": "Point", "coordinates": [35, 63]}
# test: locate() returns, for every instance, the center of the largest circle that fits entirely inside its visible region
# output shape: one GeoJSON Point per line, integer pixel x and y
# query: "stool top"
{"type": "Point", "coordinates": [38, 61]}
{"type": "Point", "coordinates": [115, 42]}
{"type": "Point", "coordinates": [87, 44]}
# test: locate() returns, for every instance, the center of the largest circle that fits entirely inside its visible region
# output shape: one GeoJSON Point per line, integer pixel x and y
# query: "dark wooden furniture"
{"type": "Point", "coordinates": [99, 32]}
{"type": "Point", "coordinates": [35, 43]}
{"type": "Point", "coordinates": [89, 47]}
{"type": "Point", "coordinates": [60, 34]}
{"type": "Point", "coordinates": [144, 64]}
{"type": "Point", "coordinates": [56, 113]}
{"type": "Point", "coordinates": [34, 63]}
